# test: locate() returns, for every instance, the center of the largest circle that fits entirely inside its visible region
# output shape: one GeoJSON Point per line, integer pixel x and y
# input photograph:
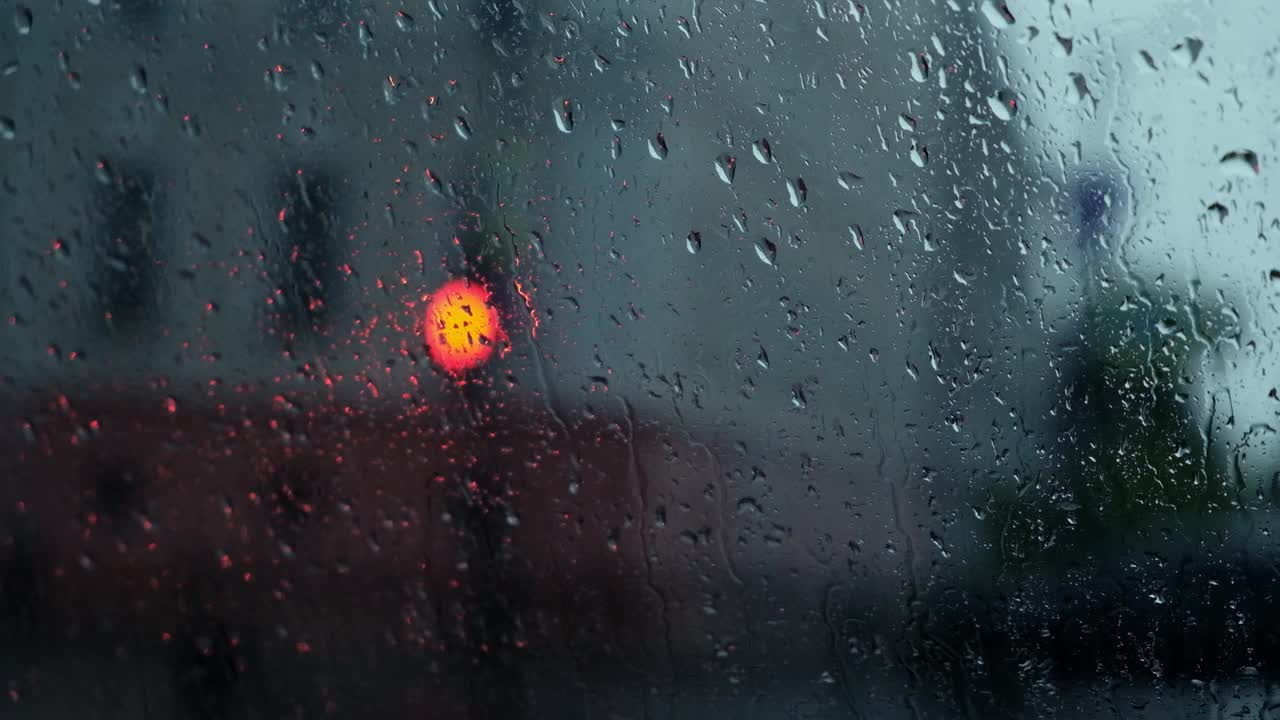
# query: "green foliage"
{"type": "Point", "coordinates": [1130, 467]}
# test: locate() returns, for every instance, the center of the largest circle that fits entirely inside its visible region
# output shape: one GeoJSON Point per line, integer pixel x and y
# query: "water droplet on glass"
{"type": "Point", "coordinates": [22, 20]}
{"type": "Point", "coordinates": [725, 167]}
{"type": "Point", "coordinates": [919, 66]}
{"type": "Point", "coordinates": [8, 130]}
{"type": "Point", "coordinates": [1079, 89]}
{"type": "Point", "coordinates": [859, 240]}
{"type": "Point", "coordinates": [766, 251]}
{"type": "Point", "coordinates": [1004, 105]}
{"type": "Point", "coordinates": [798, 399]}
{"type": "Point", "coordinates": [1187, 52]}
{"type": "Point", "coordinates": [919, 155]}
{"type": "Point", "coordinates": [762, 151]}
{"type": "Point", "coordinates": [997, 13]}
{"type": "Point", "coordinates": [461, 127]}
{"type": "Point", "coordinates": [693, 243]}
{"type": "Point", "coordinates": [658, 147]}
{"type": "Point", "coordinates": [404, 20]}
{"type": "Point", "coordinates": [847, 180]}
{"type": "Point", "coordinates": [797, 192]}
{"type": "Point", "coordinates": [1239, 163]}
{"type": "Point", "coordinates": [138, 80]}
{"type": "Point", "coordinates": [1065, 46]}
{"type": "Point", "coordinates": [1145, 61]}
{"type": "Point", "coordinates": [102, 171]}
{"type": "Point", "coordinates": [564, 116]}
{"type": "Point", "coordinates": [392, 89]}
{"type": "Point", "coordinates": [433, 182]}
{"type": "Point", "coordinates": [535, 241]}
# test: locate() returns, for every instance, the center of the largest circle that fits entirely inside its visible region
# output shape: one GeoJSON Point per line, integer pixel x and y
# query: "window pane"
{"type": "Point", "coordinates": [515, 359]}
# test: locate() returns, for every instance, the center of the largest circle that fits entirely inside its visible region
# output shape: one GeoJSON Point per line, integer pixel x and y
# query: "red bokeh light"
{"type": "Point", "coordinates": [461, 327]}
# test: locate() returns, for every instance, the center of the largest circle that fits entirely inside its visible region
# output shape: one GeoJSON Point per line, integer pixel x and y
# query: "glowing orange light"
{"type": "Point", "coordinates": [461, 327]}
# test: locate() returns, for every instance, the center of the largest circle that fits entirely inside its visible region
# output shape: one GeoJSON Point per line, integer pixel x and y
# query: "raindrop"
{"type": "Point", "coordinates": [919, 66]}
{"type": "Point", "coordinates": [22, 20]}
{"type": "Point", "coordinates": [997, 13]}
{"type": "Point", "coordinates": [102, 171]}
{"type": "Point", "coordinates": [1065, 46]}
{"type": "Point", "coordinates": [461, 127]}
{"type": "Point", "coordinates": [433, 182]}
{"type": "Point", "coordinates": [766, 251]}
{"type": "Point", "coordinates": [901, 218]}
{"type": "Point", "coordinates": [847, 180]}
{"type": "Point", "coordinates": [1239, 163]}
{"type": "Point", "coordinates": [564, 116]}
{"type": "Point", "coordinates": [797, 192]}
{"type": "Point", "coordinates": [535, 241]}
{"type": "Point", "coordinates": [762, 359]}
{"type": "Point", "coordinates": [1187, 52]}
{"type": "Point", "coordinates": [919, 155]}
{"type": "Point", "coordinates": [725, 167]}
{"type": "Point", "coordinates": [392, 89]}
{"type": "Point", "coordinates": [797, 397]}
{"type": "Point", "coordinates": [1004, 105]}
{"type": "Point", "coordinates": [658, 147]}
{"type": "Point", "coordinates": [693, 243]}
{"type": "Point", "coordinates": [404, 20]}
{"type": "Point", "coordinates": [762, 151]}
{"type": "Point", "coordinates": [1079, 89]}
{"type": "Point", "coordinates": [859, 240]}
{"type": "Point", "coordinates": [8, 130]}
{"type": "Point", "coordinates": [138, 80]}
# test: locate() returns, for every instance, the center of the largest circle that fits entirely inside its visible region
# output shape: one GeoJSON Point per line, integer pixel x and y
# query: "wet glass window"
{"type": "Point", "coordinates": [555, 358]}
